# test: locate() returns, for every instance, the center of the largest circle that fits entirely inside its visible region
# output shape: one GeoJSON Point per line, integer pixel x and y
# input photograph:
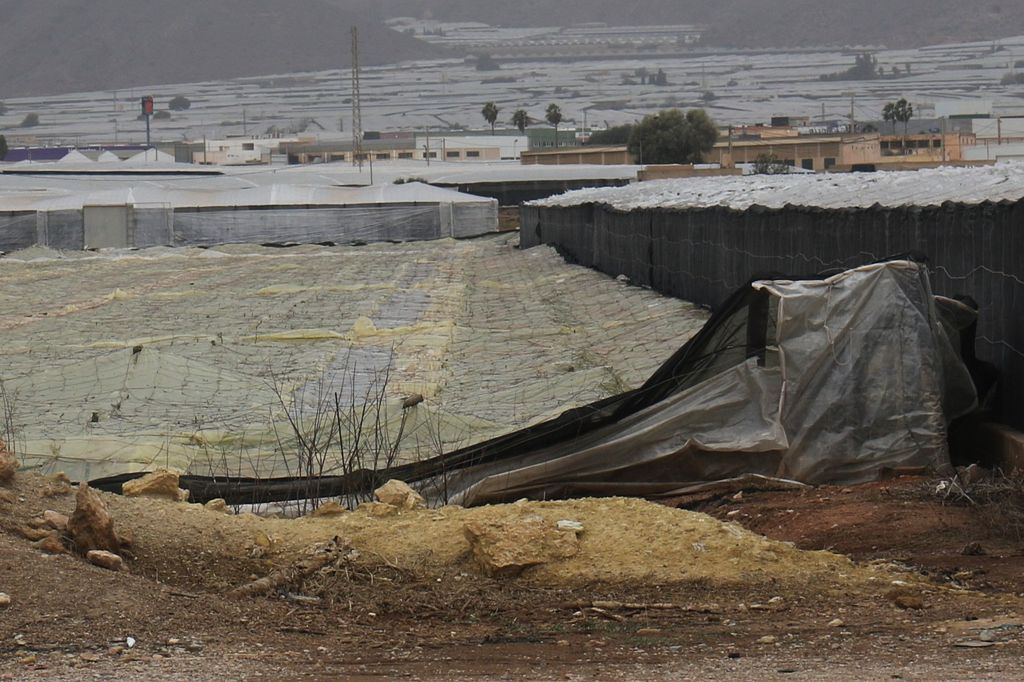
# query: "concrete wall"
{"type": "Point", "coordinates": [704, 254]}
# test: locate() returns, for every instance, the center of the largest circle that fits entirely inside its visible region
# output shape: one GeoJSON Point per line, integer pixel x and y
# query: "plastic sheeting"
{"type": "Point", "coordinates": [836, 380]}
{"type": "Point", "coordinates": [494, 339]}
{"type": "Point", "coordinates": [204, 212]}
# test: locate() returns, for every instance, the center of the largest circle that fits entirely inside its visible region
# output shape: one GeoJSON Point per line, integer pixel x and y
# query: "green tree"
{"type": "Point", "coordinates": [3, 108]}
{"type": "Point", "coordinates": [520, 119]}
{"type": "Point", "coordinates": [30, 121]}
{"type": "Point", "coordinates": [613, 135]}
{"type": "Point", "coordinates": [769, 164]}
{"type": "Point", "coordinates": [490, 114]}
{"type": "Point", "coordinates": [3, 147]}
{"type": "Point", "coordinates": [180, 103]}
{"type": "Point", "coordinates": [554, 117]}
{"type": "Point", "coordinates": [670, 136]}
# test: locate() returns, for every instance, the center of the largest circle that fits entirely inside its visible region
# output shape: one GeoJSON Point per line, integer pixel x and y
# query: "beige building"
{"type": "Point", "coordinates": [601, 156]}
{"type": "Point", "coordinates": [419, 148]}
{"type": "Point", "coordinates": [810, 152]}
{"type": "Point", "coordinates": [927, 148]}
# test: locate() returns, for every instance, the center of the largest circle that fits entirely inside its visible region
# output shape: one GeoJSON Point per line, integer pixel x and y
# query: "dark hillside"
{"type": "Point", "coordinates": [51, 46]}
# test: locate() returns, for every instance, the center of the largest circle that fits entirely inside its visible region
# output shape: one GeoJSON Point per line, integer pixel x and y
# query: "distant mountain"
{"type": "Point", "coordinates": [56, 46]}
{"type": "Point", "coordinates": [784, 23]}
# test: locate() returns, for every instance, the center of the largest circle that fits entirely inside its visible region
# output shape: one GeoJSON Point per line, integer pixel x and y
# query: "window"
{"type": "Point", "coordinates": [790, 162]}
{"type": "Point", "coordinates": [405, 155]}
{"type": "Point", "coordinates": [807, 164]}
{"type": "Point", "coordinates": [248, 146]}
{"type": "Point", "coordinates": [430, 155]}
{"type": "Point", "coordinates": [472, 155]}
{"type": "Point", "coordinates": [383, 156]}
{"type": "Point", "coordinates": [452, 155]}
{"type": "Point", "coordinates": [830, 162]}
{"type": "Point", "coordinates": [936, 143]}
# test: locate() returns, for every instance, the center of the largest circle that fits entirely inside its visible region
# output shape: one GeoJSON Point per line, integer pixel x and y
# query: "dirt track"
{"type": "Point", "coordinates": [69, 620]}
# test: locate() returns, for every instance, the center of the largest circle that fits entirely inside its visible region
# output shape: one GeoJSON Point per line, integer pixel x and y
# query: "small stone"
{"type": "Point", "coordinates": [562, 642]}
{"type": "Point", "coordinates": [973, 549]}
{"type": "Point", "coordinates": [115, 651]}
{"type": "Point", "coordinates": [162, 483]}
{"type": "Point", "coordinates": [987, 636]}
{"type": "Point", "coordinates": [125, 538]}
{"type": "Point", "coordinates": [566, 524]}
{"type": "Point", "coordinates": [57, 485]}
{"type": "Point", "coordinates": [378, 509]}
{"type": "Point", "coordinates": [398, 494]}
{"type": "Point", "coordinates": [836, 623]}
{"type": "Point", "coordinates": [55, 520]}
{"type": "Point", "coordinates": [218, 505]}
{"type": "Point", "coordinates": [5, 600]}
{"type": "Point", "coordinates": [90, 526]}
{"type": "Point", "coordinates": [506, 547]}
{"type": "Point", "coordinates": [103, 559]}
{"type": "Point", "coordinates": [89, 657]}
{"type": "Point", "coordinates": [738, 497]}
{"type": "Point", "coordinates": [775, 600]}
{"type": "Point", "coordinates": [767, 639]}
{"type": "Point", "coordinates": [648, 631]}
{"type": "Point", "coordinates": [908, 601]}
{"type": "Point", "coordinates": [331, 508]}
{"type": "Point", "coordinates": [8, 464]}
{"type": "Point", "coordinates": [28, 660]}
{"type": "Point", "coordinates": [51, 544]}
{"type": "Point", "coordinates": [173, 641]}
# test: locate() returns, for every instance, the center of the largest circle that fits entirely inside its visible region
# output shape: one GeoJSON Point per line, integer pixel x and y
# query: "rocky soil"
{"type": "Point", "coordinates": [606, 589]}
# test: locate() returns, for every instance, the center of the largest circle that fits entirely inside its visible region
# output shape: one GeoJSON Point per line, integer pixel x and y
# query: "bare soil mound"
{"type": "Point", "coordinates": [651, 593]}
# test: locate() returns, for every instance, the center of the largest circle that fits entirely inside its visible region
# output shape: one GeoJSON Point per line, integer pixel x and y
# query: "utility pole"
{"type": "Point", "coordinates": [357, 108]}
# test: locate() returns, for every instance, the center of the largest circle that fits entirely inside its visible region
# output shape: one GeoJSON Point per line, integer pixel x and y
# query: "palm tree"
{"type": "Point", "coordinates": [554, 117]}
{"type": "Point", "coordinates": [889, 115]}
{"type": "Point", "coordinates": [490, 114]}
{"type": "Point", "coordinates": [904, 112]}
{"type": "Point", "coordinates": [520, 119]}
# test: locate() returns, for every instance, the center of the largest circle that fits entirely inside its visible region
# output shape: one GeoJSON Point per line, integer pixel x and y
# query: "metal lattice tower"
{"type": "Point", "coordinates": [357, 107]}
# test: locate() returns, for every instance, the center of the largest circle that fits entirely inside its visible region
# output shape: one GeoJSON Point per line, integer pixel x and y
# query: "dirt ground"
{"type": "Point", "coordinates": [911, 606]}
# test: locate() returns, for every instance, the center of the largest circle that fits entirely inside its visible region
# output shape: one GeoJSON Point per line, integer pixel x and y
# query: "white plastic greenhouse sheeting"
{"type": "Point", "coordinates": [863, 377]}
{"type": "Point", "coordinates": [228, 213]}
{"type": "Point", "coordinates": [927, 187]}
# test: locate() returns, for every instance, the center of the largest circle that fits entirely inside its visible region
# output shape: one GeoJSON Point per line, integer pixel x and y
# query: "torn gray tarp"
{"type": "Point", "coordinates": [820, 381]}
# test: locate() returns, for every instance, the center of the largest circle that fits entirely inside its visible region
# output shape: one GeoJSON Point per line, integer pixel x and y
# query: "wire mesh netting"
{"type": "Point", "coordinates": [222, 361]}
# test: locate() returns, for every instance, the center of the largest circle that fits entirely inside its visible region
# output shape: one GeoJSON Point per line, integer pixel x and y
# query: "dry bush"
{"type": "Point", "coordinates": [997, 496]}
